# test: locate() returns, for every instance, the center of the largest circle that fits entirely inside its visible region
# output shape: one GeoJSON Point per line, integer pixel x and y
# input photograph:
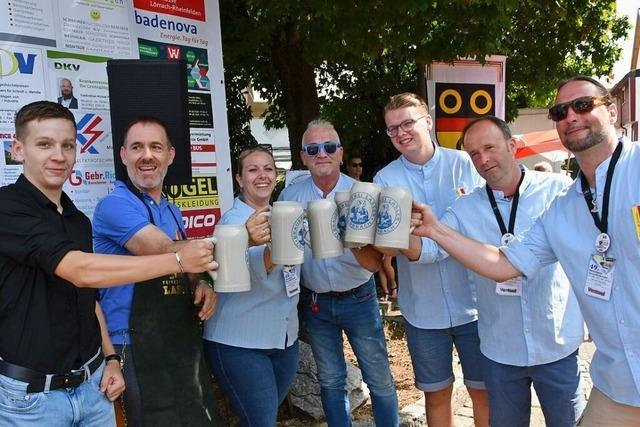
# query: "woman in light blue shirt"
{"type": "Point", "coordinates": [250, 342]}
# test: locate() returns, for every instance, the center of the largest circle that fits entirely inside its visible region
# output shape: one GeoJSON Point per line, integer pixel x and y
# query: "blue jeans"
{"type": "Point", "coordinates": [255, 381]}
{"type": "Point", "coordinates": [358, 316]}
{"type": "Point", "coordinates": [558, 386]}
{"type": "Point", "coordinates": [431, 355]}
{"type": "Point", "coordinates": [82, 406]}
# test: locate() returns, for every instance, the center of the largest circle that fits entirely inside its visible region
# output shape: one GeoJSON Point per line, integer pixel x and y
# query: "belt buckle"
{"type": "Point", "coordinates": [71, 378]}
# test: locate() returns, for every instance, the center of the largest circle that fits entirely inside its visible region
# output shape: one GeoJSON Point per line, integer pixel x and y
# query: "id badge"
{"type": "Point", "coordinates": [600, 277]}
{"type": "Point", "coordinates": [291, 279]}
{"type": "Point", "coordinates": [511, 287]}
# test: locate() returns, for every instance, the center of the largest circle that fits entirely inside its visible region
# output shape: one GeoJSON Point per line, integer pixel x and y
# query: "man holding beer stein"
{"type": "Point", "coordinates": [338, 294]}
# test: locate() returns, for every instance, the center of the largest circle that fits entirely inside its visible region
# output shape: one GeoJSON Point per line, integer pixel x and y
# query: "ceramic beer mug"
{"type": "Point", "coordinates": [323, 229]}
{"type": "Point", "coordinates": [342, 199]}
{"type": "Point", "coordinates": [394, 218]}
{"type": "Point", "coordinates": [287, 233]}
{"type": "Point", "coordinates": [363, 210]}
{"type": "Point", "coordinates": [231, 253]}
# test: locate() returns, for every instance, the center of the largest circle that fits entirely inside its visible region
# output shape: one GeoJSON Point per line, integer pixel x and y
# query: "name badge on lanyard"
{"type": "Point", "coordinates": [291, 279]}
{"type": "Point", "coordinates": [511, 288]}
{"type": "Point", "coordinates": [600, 276]}
{"type": "Point", "coordinates": [599, 283]}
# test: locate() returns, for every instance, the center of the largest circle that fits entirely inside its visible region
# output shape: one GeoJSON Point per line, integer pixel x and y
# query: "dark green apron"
{"type": "Point", "coordinates": [166, 341]}
{"type": "Point", "coordinates": [174, 380]}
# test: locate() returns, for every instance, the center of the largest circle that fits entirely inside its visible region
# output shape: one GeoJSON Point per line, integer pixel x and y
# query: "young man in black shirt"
{"type": "Point", "coordinates": [52, 369]}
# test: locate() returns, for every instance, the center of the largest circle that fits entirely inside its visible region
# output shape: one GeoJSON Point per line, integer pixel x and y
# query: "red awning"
{"type": "Point", "coordinates": [546, 143]}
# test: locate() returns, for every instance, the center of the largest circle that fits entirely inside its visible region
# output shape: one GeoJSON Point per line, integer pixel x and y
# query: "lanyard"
{"type": "Point", "coordinates": [514, 208]}
{"type": "Point", "coordinates": [138, 194]}
{"type": "Point", "coordinates": [601, 222]}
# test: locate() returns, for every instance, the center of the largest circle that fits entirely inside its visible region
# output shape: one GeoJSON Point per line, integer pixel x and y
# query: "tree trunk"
{"type": "Point", "coordinates": [421, 78]}
{"type": "Point", "coordinates": [299, 89]}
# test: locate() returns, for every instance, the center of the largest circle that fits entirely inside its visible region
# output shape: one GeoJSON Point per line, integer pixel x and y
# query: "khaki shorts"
{"type": "Point", "coordinates": [604, 412]}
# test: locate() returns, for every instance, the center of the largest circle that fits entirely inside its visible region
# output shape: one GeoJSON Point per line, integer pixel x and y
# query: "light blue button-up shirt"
{"type": "Point", "coordinates": [434, 295]}
{"type": "Point", "coordinates": [566, 233]}
{"type": "Point", "coordinates": [542, 325]}
{"type": "Point", "coordinates": [330, 274]}
{"type": "Point", "coordinates": [264, 317]}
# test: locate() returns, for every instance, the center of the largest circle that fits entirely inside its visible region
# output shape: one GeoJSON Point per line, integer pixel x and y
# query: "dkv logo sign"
{"type": "Point", "coordinates": [12, 62]}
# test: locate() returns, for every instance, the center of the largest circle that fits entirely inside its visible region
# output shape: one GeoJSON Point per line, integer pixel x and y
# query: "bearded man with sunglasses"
{"type": "Point", "coordinates": [338, 294]}
{"type": "Point", "coordinates": [593, 230]}
{"type": "Point", "coordinates": [436, 299]}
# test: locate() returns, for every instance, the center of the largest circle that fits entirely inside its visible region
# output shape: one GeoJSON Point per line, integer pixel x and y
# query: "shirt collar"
{"type": "Point", "coordinates": [601, 169]}
{"type": "Point", "coordinates": [499, 194]}
{"type": "Point", "coordinates": [318, 192]}
{"type": "Point", "coordinates": [138, 193]}
{"type": "Point", "coordinates": [242, 206]}
{"type": "Point", "coordinates": [68, 207]}
{"type": "Point", "coordinates": [429, 165]}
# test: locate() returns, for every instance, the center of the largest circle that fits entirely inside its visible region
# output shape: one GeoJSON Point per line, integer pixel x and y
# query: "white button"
{"type": "Point", "coordinates": [526, 329]}
{"type": "Point", "coordinates": [622, 321]}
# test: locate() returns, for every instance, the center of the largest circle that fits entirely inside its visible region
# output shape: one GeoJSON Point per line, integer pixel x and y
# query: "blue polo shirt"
{"type": "Point", "coordinates": [117, 218]}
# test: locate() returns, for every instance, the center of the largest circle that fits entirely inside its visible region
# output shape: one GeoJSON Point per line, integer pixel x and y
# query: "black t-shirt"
{"type": "Point", "coordinates": [46, 323]}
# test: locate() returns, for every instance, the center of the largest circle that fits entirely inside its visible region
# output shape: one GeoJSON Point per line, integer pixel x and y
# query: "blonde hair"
{"type": "Point", "coordinates": [404, 100]}
{"type": "Point", "coordinates": [245, 153]}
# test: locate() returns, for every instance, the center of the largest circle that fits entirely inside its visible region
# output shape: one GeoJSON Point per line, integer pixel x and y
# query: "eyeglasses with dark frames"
{"type": "Point", "coordinates": [406, 126]}
{"type": "Point", "coordinates": [581, 105]}
{"type": "Point", "coordinates": [329, 147]}
{"type": "Point", "coordinates": [356, 165]}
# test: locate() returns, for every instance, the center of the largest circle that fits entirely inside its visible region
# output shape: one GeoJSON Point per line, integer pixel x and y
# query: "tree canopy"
{"type": "Point", "coordinates": [343, 60]}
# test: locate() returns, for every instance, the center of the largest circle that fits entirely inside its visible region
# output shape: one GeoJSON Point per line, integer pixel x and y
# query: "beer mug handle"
{"type": "Point", "coordinates": [268, 215]}
{"type": "Point", "coordinates": [212, 273]}
{"type": "Point", "coordinates": [307, 232]}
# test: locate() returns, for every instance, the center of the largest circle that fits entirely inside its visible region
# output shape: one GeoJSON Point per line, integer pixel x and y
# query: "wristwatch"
{"type": "Point", "coordinates": [111, 357]}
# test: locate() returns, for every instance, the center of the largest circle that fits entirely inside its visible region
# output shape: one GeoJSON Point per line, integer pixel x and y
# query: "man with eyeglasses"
{"type": "Point", "coordinates": [436, 299]}
{"type": "Point", "coordinates": [338, 294]}
{"type": "Point", "coordinates": [354, 167]}
{"type": "Point", "coordinates": [593, 230]}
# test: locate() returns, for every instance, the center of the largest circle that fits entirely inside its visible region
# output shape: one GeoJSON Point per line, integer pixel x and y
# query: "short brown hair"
{"type": "Point", "coordinates": [245, 153]}
{"type": "Point", "coordinates": [404, 100]}
{"type": "Point", "coordinates": [41, 110]}
{"type": "Point", "coordinates": [498, 122]}
{"type": "Point", "coordinates": [146, 120]}
{"type": "Point", "coordinates": [604, 92]}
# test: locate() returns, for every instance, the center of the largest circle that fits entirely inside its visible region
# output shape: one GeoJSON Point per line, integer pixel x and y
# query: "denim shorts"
{"type": "Point", "coordinates": [431, 355]}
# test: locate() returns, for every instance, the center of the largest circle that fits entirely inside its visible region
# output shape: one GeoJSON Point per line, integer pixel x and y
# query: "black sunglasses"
{"type": "Point", "coordinates": [581, 105]}
{"type": "Point", "coordinates": [329, 147]}
{"type": "Point", "coordinates": [356, 165]}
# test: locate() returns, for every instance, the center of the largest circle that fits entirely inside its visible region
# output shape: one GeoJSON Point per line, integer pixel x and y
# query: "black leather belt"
{"type": "Point", "coordinates": [340, 294]}
{"type": "Point", "coordinates": [37, 380]}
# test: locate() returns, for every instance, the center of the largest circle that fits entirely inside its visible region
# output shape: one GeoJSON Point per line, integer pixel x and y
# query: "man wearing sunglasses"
{"type": "Point", "coordinates": [593, 230]}
{"type": "Point", "coordinates": [436, 299]}
{"type": "Point", "coordinates": [338, 294]}
{"type": "Point", "coordinates": [354, 167]}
